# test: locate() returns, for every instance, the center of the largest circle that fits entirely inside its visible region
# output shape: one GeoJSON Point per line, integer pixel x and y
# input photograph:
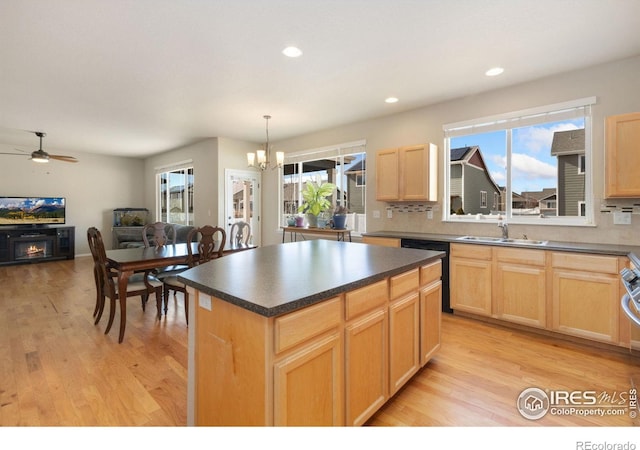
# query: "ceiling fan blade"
{"type": "Point", "coordinates": [15, 154]}
{"type": "Point", "coordinates": [64, 158]}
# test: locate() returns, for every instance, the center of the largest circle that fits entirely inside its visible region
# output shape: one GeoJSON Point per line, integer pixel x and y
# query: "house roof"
{"type": "Point", "coordinates": [568, 142]}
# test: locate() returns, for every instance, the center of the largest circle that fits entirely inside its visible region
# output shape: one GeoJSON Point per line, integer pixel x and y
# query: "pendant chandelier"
{"type": "Point", "coordinates": [263, 157]}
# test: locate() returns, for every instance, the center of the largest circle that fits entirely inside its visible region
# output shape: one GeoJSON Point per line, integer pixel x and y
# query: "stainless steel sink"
{"type": "Point", "coordinates": [503, 241]}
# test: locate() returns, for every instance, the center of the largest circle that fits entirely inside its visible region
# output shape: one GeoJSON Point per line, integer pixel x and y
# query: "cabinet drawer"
{"type": "Point", "coordinates": [364, 299]}
{"type": "Point", "coordinates": [521, 256]}
{"type": "Point", "coordinates": [430, 273]}
{"type": "Point", "coordinates": [387, 242]}
{"type": "Point", "coordinates": [404, 283]}
{"type": "Point", "coordinates": [470, 251]}
{"type": "Point", "coordinates": [585, 263]}
{"type": "Point", "coordinates": [306, 323]}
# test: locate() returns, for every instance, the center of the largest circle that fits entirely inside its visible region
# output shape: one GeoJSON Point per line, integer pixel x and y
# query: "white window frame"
{"type": "Point", "coordinates": [344, 149]}
{"type": "Point", "coordinates": [507, 122]}
{"type": "Point", "coordinates": [182, 165]}
{"type": "Point", "coordinates": [483, 199]}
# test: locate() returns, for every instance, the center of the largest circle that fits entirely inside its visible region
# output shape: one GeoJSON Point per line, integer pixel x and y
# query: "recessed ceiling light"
{"type": "Point", "coordinates": [391, 100]}
{"type": "Point", "coordinates": [292, 52]}
{"type": "Point", "coordinates": [494, 71]}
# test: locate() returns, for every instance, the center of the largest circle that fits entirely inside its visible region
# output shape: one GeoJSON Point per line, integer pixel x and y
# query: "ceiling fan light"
{"type": "Point", "coordinates": [40, 159]}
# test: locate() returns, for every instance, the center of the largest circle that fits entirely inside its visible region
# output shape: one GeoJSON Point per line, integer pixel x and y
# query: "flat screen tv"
{"type": "Point", "coordinates": [32, 211]}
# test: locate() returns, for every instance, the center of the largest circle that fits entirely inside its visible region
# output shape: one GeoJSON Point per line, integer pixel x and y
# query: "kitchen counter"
{"type": "Point", "coordinates": [274, 329]}
{"type": "Point", "coordinates": [578, 247]}
{"type": "Point", "coordinates": [277, 279]}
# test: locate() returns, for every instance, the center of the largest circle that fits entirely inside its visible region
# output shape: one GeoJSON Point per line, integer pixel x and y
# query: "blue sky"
{"type": "Point", "coordinates": [533, 167]}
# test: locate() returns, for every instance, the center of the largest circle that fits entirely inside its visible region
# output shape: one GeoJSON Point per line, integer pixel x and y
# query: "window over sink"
{"type": "Point", "coordinates": [531, 166]}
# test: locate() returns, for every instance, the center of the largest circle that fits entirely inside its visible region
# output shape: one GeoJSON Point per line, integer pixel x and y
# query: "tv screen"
{"type": "Point", "coordinates": [32, 210]}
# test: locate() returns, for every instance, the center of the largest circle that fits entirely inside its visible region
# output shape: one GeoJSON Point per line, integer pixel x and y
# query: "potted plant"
{"type": "Point", "coordinates": [315, 200]}
{"type": "Point", "coordinates": [340, 217]}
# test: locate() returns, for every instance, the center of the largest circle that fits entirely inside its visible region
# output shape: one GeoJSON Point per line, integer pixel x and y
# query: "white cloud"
{"type": "Point", "coordinates": [525, 166]}
{"type": "Point", "coordinates": [537, 139]}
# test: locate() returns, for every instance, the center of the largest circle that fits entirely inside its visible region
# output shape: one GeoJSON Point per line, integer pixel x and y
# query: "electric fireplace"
{"type": "Point", "coordinates": [31, 247]}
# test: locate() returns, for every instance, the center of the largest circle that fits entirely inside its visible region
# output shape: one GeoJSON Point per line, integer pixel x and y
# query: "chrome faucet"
{"type": "Point", "coordinates": [505, 229]}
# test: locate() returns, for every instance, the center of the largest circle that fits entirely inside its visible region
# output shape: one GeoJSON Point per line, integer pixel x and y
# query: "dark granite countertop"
{"type": "Point", "coordinates": [578, 247]}
{"type": "Point", "coordinates": [277, 279]}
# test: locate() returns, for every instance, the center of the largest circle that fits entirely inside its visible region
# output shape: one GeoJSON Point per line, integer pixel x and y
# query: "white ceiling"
{"type": "Point", "coordinates": [138, 77]}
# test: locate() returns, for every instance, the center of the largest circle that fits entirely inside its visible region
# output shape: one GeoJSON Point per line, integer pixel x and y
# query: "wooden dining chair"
{"type": "Point", "coordinates": [211, 241]}
{"type": "Point", "coordinates": [158, 234]}
{"type": "Point", "coordinates": [106, 279]}
{"type": "Point", "coordinates": [240, 233]}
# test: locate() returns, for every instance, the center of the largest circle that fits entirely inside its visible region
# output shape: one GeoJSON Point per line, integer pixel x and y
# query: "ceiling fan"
{"type": "Point", "coordinates": [40, 155]}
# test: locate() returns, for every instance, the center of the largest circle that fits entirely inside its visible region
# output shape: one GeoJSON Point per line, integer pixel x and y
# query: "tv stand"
{"type": "Point", "coordinates": [20, 245]}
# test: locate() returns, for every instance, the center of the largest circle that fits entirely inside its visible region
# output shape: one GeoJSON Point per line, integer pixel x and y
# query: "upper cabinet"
{"type": "Point", "coordinates": [407, 173]}
{"type": "Point", "coordinates": [622, 156]}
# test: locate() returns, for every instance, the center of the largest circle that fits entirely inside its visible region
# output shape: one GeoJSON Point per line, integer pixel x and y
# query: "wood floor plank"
{"type": "Point", "coordinates": [58, 368]}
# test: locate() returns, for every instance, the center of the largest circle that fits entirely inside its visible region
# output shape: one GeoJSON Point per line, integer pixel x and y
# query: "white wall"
{"type": "Point", "coordinates": [615, 86]}
{"type": "Point", "coordinates": [93, 187]}
{"type": "Point", "coordinates": [98, 184]}
{"type": "Point", "coordinates": [210, 158]}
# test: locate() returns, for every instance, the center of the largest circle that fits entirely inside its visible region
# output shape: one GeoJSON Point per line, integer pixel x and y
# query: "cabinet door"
{"type": "Point", "coordinates": [387, 175]}
{"type": "Point", "coordinates": [366, 366]}
{"type": "Point", "coordinates": [430, 320]}
{"type": "Point", "coordinates": [586, 304]}
{"type": "Point", "coordinates": [4, 246]}
{"type": "Point", "coordinates": [520, 294]}
{"type": "Point", "coordinates": [66, 242]}
{"type": "Point", "coordinates": [308, 385]}
{"type": "Point", "coordinates": [471, 285]}
{"type": "Point", "coordinates": [418, 172]}
{"type": "Point", "coordinates": [404, 340]}
{"type": "Point", "coordinates": [622, 156]}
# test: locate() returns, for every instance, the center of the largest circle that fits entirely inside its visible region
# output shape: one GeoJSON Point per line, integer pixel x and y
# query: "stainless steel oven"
{"type": "Point", "coordinates": [630, 301]}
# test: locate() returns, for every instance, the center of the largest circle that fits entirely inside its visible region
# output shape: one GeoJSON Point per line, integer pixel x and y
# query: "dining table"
{"type": "Point", "coordinates": [127, 261]}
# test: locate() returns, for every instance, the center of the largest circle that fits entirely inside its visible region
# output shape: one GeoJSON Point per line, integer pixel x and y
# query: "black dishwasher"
{"type": "Point", "coordinates": [441, 246]}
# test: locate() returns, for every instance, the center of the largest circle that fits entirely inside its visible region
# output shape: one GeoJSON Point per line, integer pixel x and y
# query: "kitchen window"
{"type": "Point", "coordinates": [533, 164]}
{"type": "Point", "coordinates": [344, 165]}
{"type": "Point", "coordinates": [174, 194]}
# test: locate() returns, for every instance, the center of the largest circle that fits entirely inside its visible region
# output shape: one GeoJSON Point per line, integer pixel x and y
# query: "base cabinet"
{"type": "Point", "coordinates": [333, 363]}
{"type": "Point", "coordinates": [430, 320]}
{"type": "Point", "coordinates": [520, 288]}
{"type": "Point", "coordinates": [298, 378]}
{"type": "Point", "coordinates": [367, 356]}
{"type": "Point", "coordinates": [586, 300]}
{"type": "Point", "coordinates": [471, 272]}
{"type": "Point", "coordinates": [576, 294]}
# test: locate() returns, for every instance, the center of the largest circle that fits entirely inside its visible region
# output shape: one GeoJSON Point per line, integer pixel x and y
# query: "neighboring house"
{"type": "Point", "coordinates": [356, 186]}
{"type": "Point", "coordinates": [569, 148]}
{"type": "Point", "coordinates": [471, 187]}
{"type": "Point", "coordinates": [539, 202]}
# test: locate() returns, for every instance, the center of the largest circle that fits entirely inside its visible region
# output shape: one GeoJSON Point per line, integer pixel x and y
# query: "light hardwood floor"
{"type": "Point", "coordinates": [59, 369]}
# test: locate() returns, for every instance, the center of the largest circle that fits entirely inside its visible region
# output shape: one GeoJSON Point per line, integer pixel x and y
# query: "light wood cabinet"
{"type": "Point", "coordinates": [317, 367]}
{"type": "Point", "coordinates": [622, 156]}
{"type": "Point", "coordinates": [586, 296]}
{"type": "Point", "coordinates": [375, 240]}
{"type": "Point", "coordinates": [430, 320]}
{"type": "Point", "coordinates": [471, 271]}
{"type": "Point", "coordinates": [519, 290]}
{"type": "Point", "coordinates": [407, 173]}
{"type": "Point", "coordinates": [404, 328]}
{"type": "Point", "coordinates": [367, 366]}
{"type": "Point", "coordinates": [332, 363]}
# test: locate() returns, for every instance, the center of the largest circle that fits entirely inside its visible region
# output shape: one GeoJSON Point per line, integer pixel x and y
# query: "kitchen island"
{"type": "Point", "coordinates": [308, 333]}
